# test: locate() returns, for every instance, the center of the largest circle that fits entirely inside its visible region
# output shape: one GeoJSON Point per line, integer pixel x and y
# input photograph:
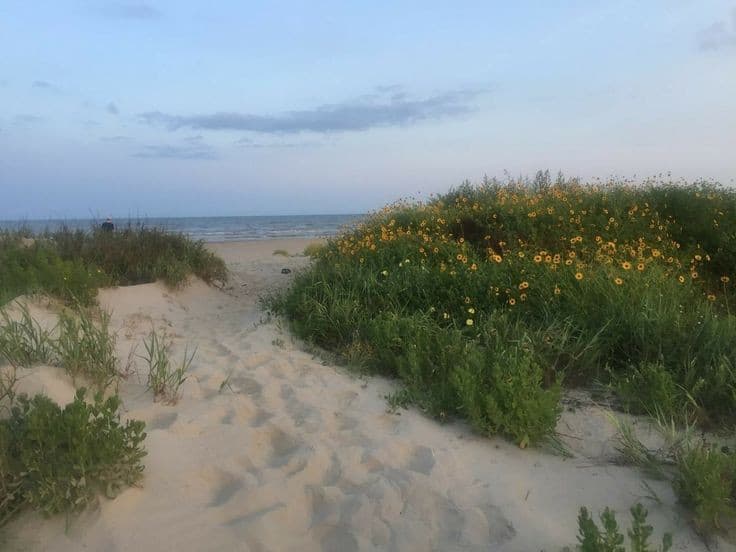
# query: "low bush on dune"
{"type": "Point", "coordinates": [73, 264]}
{"type": "Point", "coordinates": [609, 538]}
{"type": "Point", "coordinates": [484, 301]}
{"type": "Point", "coordinates": [59, 459]}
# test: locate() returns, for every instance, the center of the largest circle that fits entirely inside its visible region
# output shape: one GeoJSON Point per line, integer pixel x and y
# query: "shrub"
{"type": "Point", "coordinates": [57, 460]}
{"type": "Point", "coordinates": [73, 264]}
{"type": "Point", "coordinates": [608, 284]}
{"type": "Point", "coordinates": [505, 394]}
{"type": "Point", "coordinates": [39, 267]}
{"type": "Point", "coordinates": [136, 254]}
{"type": "Point", "coordinates": [610, 538]}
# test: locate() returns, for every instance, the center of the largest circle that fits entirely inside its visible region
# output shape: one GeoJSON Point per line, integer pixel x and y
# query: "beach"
{"type": "Point", "coordinates": [270, 447]}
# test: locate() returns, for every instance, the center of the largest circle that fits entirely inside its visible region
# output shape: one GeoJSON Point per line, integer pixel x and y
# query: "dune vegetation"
{"type": "Point", "coordinates": [60, 458]}
{"type": "Point", "coordinates": [73, 264]}
{"type": "Point", "coordinates": [486, 302]}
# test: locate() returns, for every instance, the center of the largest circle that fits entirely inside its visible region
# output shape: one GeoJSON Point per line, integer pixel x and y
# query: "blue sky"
{"type": "Point", "coordinates": [166, 108]}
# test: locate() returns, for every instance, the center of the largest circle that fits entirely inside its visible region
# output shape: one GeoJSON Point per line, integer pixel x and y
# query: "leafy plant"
{"type": "Point", "coordinates": [607, 284]}
{"type": "Point", "coordinates": [591, 538]}
{"type": "Point", "coordinates": [163, 378]}
{"type": "Point", "coordinates": [57, 460]}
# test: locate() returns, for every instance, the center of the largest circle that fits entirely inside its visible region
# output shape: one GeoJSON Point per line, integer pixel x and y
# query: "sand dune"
{"type": "Point", "coordinates": [270, 449]}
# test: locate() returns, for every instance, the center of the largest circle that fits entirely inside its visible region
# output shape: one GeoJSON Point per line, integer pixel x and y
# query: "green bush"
{"type": "Point", "coordinates": [505, 394]}
{"type": "Point", "coordinates": [607, 284]}
{"type": "Point", "coordinates": [73, 264]}
{"type": "Point", "coordinates": [610, 539]}
{"type": "Point", "coordinates": [57, 460]}
{"type": "Point", "coordinates": [137, 254]}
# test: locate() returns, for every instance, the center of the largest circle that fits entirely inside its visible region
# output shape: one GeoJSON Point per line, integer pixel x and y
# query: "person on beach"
{"type": "Point", "coordinates": [108, 226]}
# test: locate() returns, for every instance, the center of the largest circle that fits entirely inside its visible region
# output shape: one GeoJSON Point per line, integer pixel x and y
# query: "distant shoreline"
{"type": "Point", "coordinates": [212, 229]}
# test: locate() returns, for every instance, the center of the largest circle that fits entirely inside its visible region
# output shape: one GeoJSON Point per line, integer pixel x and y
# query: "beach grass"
{"type": "Point", "coordinates": [73, 264]}
{"type": "Point", "coordinates": [488, 300]}
{"type": "Point", "coordinates": [164, 378]}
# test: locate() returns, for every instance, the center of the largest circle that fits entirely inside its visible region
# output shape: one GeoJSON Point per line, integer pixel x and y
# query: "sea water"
{"type": "Point", "coordinates": [214, 229]}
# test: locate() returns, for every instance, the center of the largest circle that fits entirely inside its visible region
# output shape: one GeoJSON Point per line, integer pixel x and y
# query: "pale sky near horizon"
{"type": "Point", "coordinates": [184, 108]}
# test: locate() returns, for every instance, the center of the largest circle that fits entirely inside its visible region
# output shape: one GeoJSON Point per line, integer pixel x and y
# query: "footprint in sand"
{"type": "Point", "coordinates": [421, 460]}
{"type": "Point", "coordinates": [226, 485]}
{"type": "Point", "coordinates": [162, 421]}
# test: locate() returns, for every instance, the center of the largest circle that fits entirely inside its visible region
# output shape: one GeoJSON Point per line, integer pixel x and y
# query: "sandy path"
{"type": "Point", "coordinates": [269, 449]}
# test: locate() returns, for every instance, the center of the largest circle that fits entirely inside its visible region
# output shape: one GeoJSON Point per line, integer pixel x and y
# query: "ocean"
{"type": "Point", "coordinates": [214, 229]}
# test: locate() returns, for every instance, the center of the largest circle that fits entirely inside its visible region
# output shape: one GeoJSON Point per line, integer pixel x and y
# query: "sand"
{"type": "Point", "coordinates": [272, 449]}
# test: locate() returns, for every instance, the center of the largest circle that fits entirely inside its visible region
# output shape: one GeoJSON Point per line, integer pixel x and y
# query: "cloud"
{"type": "Point", "coordinates": [720, 35]}
{"type": "Point", "coordinates": [186, 151]}
{"type": "Point", "coordinates": [118, 138]}
{"type": "Point", "coordinates": [387, 108]}
{"type": "Point", "coordinates": [112, 109]}
{"type": "Point", "coordinates": [249, 143]}
{"type": "Point", "coordinates": [45, 85]}
{"type": "Point", "coordinates": [25, 119]}
{"type": "Point", "coordinates": [131, 10]}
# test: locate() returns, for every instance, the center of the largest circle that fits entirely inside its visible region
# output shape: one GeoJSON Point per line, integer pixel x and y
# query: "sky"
{"type": "Point", "coordinates": [184, 108]}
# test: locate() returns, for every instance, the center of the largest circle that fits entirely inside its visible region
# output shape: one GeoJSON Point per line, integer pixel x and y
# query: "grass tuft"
{"type": "Point", "coordinates": [87, 349]}
{"type": "Point", "coordinates": [164, 380]}
{"type": "Point", "coordinates": [24, 342]}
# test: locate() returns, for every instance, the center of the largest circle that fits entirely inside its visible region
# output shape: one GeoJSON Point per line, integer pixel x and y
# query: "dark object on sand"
{"type": "Point", "coordinates": [285, 271]}
{"type": "Point", "coordinates": [108, 226]}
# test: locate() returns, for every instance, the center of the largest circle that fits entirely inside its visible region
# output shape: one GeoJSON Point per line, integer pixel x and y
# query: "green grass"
{"type": "Point", "coordinates": [23, 342]}
{"type": "Point", "coordinates": [82, 346]}
{"type": "Point", "coordinates": [164, 379]}
{"type": "Point", "coordinates": [87, 349]}
{"type": "Point", "coordinates": [73, 264]}
{"type": "Point", "coordinates": [702, 473]}
{"type": "Point", "coordinates": [486, 300]}
{"type": "Point", "coordinates": [705, 482]}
